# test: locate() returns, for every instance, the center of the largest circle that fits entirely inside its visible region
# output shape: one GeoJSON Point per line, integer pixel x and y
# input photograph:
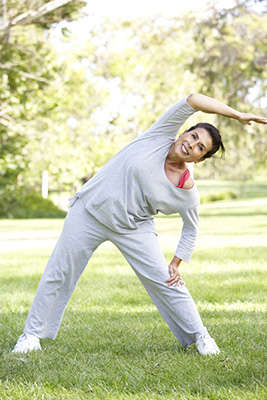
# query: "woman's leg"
{"type": "Point", "coordinates": [81, 235]}
{"type": "Point", "coordinates": [175, 304]}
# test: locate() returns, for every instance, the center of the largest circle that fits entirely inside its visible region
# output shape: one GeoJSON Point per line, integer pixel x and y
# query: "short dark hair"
{"type": "Point", "coordinates": [216, 138]}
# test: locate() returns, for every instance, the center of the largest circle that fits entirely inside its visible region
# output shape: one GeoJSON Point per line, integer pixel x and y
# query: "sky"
{"type": "Point", "coordinates": [127, 9]}
{"type": "Point", "coordinates": [140, 8]}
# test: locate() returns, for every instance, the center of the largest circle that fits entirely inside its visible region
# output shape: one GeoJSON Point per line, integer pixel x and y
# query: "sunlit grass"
{"type": "Point", "coordinates": [113, 344]}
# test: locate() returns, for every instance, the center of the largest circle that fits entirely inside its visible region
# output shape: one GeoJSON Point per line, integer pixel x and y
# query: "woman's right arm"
{"type": "Point", "coordinates": [212, 106]}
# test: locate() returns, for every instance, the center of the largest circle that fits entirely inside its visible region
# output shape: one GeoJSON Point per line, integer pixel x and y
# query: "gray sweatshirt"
{"type": "Point", "coordinates": [132, 187]}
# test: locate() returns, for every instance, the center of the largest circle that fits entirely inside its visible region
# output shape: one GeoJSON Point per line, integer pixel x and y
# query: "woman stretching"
{"type": "Point", "coordinates": [148, 176]}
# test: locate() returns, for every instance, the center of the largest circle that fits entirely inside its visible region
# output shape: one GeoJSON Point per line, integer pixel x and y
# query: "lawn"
{"type": "Point", "coordinates": [113, 344]}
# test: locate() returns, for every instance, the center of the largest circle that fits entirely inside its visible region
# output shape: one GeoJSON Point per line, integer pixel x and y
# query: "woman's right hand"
{"type": "Point", "coordinates": [248, 118]}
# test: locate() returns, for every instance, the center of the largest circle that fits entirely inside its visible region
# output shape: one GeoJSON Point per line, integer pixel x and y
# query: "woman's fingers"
{"type": "Point", "coordinates": [248, 118]}
{"type": "Point", "coordinates": [175, 277]}
{"type": "Point", "coordinates": [261, 120]}
{"type": "Point", "coordinates": [175, 280]}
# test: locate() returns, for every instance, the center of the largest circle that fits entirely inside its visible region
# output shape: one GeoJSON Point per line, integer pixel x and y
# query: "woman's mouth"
{"type": "Point", "coordinates": [184, 150]}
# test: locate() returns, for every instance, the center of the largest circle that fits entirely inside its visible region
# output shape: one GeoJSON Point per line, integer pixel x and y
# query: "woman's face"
{"type": "Point", "coordinates": [192, 146]}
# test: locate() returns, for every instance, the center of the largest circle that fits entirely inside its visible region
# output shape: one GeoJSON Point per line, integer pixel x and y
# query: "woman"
{"type": "Point", "coordinates": [147, 176]}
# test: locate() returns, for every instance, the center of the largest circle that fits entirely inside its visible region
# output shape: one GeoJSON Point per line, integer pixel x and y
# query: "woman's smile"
{"type": "Point", "coordinates": [184, 149]}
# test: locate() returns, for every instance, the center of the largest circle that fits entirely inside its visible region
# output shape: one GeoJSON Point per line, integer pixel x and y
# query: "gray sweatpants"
{"type": "Point", "coordinates": [81, 236]}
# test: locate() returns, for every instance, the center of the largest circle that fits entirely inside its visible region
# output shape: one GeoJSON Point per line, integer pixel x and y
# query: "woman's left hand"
{"type": "Point", "coordinates": [175, 278]}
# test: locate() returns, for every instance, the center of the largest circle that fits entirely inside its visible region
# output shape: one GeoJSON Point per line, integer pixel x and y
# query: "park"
{"type": "Point", "coordinates": [113, 343]}
{"type": "Point", "coordinates": [68, 105]}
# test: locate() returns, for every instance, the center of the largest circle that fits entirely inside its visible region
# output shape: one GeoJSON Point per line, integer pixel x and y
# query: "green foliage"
{"type": "Point", "coordinates": [28, 13]}
{"type": "Point", "coordinates": [230, 61]}
{"type": "Point", "coordinates": [68, 105]}
{"type": "Point", "coordinates": [159, 61]}
{"type": "Point", "coordinates": [219, 196]}
{"type": "Point", "coordinates": [225, 67]}
{"type": "Point", "coordinates": [145, 58]}
{"type": "Point", "coordinates": [22, 79]}
{"type": "Point", "coordinates": [28, 66]}
{"type": "Point", "coordinates": [31, 205]}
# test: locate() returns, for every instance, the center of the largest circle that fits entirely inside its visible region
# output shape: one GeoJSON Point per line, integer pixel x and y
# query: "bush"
{"type": "Point", "coordinates": [31, 205]}
{"type": "Point", "coordinates": [218, 197]}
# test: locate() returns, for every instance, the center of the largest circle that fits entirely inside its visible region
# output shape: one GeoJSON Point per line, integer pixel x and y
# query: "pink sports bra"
{"type": "Point", "coordinates": [183, 179]}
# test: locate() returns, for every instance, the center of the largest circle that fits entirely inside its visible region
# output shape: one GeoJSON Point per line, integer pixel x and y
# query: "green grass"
{"type": "Point", "coordinates": [113, 344]}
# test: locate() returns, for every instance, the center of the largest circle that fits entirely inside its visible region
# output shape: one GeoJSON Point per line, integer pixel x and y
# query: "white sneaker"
{"type": "Point", "coordinates": [206, 345]}
{"type": "Point", "coordinates": [27, 342]}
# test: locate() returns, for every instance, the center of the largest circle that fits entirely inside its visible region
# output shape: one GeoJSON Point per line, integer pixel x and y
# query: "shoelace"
{"type": "Point", "coordinates": [22, 337]}
{"type": "Point", "coordinates": [208, 342]}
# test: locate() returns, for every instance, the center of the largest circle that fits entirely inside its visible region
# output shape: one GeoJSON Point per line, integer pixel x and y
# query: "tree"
{"type": "Point", "coordinates": [230, 58]}
{"type": "Point", "coordinates": [27, 66]}
{"type": "Point", "coordinates": [29, 12]}
{"type": "Point", "coordinates": [69, 112]}
{"type": "Point", "coordinates": [158, 61]}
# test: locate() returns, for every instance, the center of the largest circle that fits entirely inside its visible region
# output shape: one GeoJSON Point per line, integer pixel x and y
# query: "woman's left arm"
{"type": "Point", "coordinates": [212, 106]}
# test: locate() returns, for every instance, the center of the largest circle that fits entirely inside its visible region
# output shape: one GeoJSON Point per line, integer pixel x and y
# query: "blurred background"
{"type": "Point", "coordinates": [81, 79]}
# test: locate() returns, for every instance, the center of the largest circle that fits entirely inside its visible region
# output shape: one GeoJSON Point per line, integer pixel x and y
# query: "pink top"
{"type": "Point", "coordinates": [183, 179]}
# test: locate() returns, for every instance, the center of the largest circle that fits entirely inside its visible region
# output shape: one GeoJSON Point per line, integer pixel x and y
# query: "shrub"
{"type": "Point", "coordinates": [31, 205]}
{"type": "Point", "coordinates": [218, 197]}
